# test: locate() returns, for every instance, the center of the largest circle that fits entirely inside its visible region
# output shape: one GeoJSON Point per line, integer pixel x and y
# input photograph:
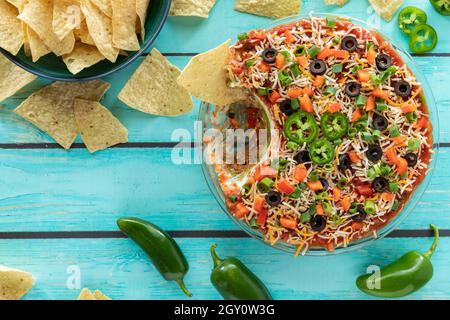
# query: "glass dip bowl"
{"type": "Point", "coordinates": [205, 116]}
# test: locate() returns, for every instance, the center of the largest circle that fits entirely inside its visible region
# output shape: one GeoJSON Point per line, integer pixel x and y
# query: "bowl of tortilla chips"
{"type": "Point", "coordinates": [74, 40]}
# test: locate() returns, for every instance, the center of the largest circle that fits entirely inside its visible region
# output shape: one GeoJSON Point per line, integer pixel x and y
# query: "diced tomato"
{"type": "Point", "coordinates": [264, 67]}
{"type": "Point", "coordinates": [364, 189]}
{"type": "Point", "coordinates": [334, 107]}
{"type": "Point", "coordinates": [371, 54]}
{"type": "Point", "coordinates": [285, 187]}
{"type": "Point", "coordinates": [422, 122]}
{"type": "Point", "coordinates": [319, 209]}
{"type": "Point", "coordinates": [306, 104]}
{"type": "Point", "coordinates": [315, 185]}
{"type": "Point", "coordinates": [387, 196]}
{"type": "Point", "coordinates": [392, 156]}
{"type": "Point", "coordinates": [325, 53]}
{"type": "Point", "coordinates": [336, 194]}
{"type": "Point", "coordinates": [346, 204]}
{"type": "Point", "coordinates": [356, 115]}
{"type": "Point", "coordinates": [258, 203]}
{"type": "Point", "coordinates": [341, 54]}
{"type": "Point", "coordinates": [382, 94]}
{"type": "Point", "coordinates": [294, 92]}
{"type": "Point", "coordinates": [289, 37]}
{"type": "Point", "coordinates": [370, 103]}
{"type": "Point", "coordinates": [402, 166]}
{"type": "Point", "coordinates": [274, 96]}
{"type": "Point", "coordinates": [399, 139]}
{"type": "Point", "coordinates": [319, 81]}
{"type": "Point", "coordinates": [303, 61]}
{"type": "Point", "coordinates": [264, 172]}
{"type": "Point", "coordinates": [288, 223]}
{"type": "Point", "coordinates": [363, 76]}
{"type": "Point", "coordinates": [251, 122]}
{"type": "Point", "coordinates": [300, 173]}
{"type": "Point", "coordinates": [257, 34]}
{"type": "Point", "coordinates": [308, 91]}
{"type": "Point", "coordinates": [241, 211]}
{"type": "Point", "coordinates": [357, 225]}
{"type": "Point", "coordinates": [262, 217]}
{"type": "Point", "coordinates": [407, 108]}
{"type": "Point", "coordinates": [280, 61]}
{"type": "Point", "coordinates": [354, 157]}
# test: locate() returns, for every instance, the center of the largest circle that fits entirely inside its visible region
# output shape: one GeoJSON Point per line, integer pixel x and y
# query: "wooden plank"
{"type": "Point", "coordinates": [55, 190]}
{"type": "Point", "coordinates": [147, 128]}
{"type": "Point", "coordinates": [121, 270]}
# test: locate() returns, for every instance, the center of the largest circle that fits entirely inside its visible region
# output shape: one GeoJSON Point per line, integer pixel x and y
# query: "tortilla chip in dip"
{"type": "Point", "coordinates": [269, 8]}
{"type": "Point", "coordinates": [199, 8]}
{"type": "Point", "coordinates": [38, 15]}
{"type": "Point", "coordinates": [124, 25]}
{"type": "Point", "coordinates": [12, 78]}
{"type": "Point", "coordinates": [11, 34]}
{"type": "Point", "coordinates": [153, 88]}
{"type": "Point", "coordinates": [83, 56]}
{"type": "Point", "coordinates": [14, 283]}
{"type": "Point", "coordinates": [205, 77]}
{"type": "Point", "coordinates": [51, 108]}
{"type": "Point", "coordinates": [66, 17]}
{"type": "Point", "coordinates": [100, 29]}
{"type": "Point", "coordinates": [97, 126]}
{"type": "Point", "coordinates": [86, 294]}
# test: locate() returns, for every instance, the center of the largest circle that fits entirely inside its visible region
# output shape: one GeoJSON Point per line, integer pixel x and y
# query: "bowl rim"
{"type": "Point", "coordinates": [114, 69]}
{"type": "Point", "coordinates": [414, 197]}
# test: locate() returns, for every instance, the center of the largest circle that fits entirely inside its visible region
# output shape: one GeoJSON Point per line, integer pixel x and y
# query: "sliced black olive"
{"type": "Point", "coordinates": [380, 184]}
{"type": "Point", "coordinates": [302, 157]}
{"type": "Point", "coordinates": [352, 89]}
{"type": "Point", "coordinates": [318, 67]}
{"type": "Point", "coordinates": [361, 216]}
{"type": "Point", "coordinates": [411, 158]}
{"type": "Point", "coordinates": [349, 43]}
{"type": "Point", "coordinates": [318, 223]}
{"type": "Point", "coordinates": [402, 89]}
{"type": "Point", "coordinates": [374, 153]}
{"type": "Point", "coordinates": [383, 61]}
{"type": "Point", "coordinates": [380, 123]}
{"type": "Point", "coordinates": [273, 198]}
{"type": "Point", "coordinates": [269, 55]}
{"type": "Point", "coordinates": [325, 184]}
{"type": "Point", "coordinates": [344, 162]}
{"type": "Point", "coordinates": [286, 107]}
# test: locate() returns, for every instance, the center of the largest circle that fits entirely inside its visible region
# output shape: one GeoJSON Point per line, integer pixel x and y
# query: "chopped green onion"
{"type": "Point", "coordinates": [300, 51]}
{"type": "Point", "coordinates": [302, 186]}
{"type": "Point", "coordinates": [411, 116]}
{"type": "Point", "coordinates": [265, 185]}
{"type": "Point", "coordinates": [284, 78]}
{"type": "Point", "coordinates": [313, 176]}
{"type": "Point", "coordinates": [264, 91]}
{"type": "Point", "coordinates": [371, 173]}
{"type": "Point", "coordinates": [291, 145]}
{"type": "Point", "coordinates": [352, 132]}
{"type": "Point", "coordinates": [376, 135]}
{"type": "Point", "coordinates": [336, 219]}
{"type": "Point", "coordinates": [246, 190]}
{"type": "Point", "coordinates": [328, 167]}
{"type": "Point", "coordinates": [331, 22]}
{"type": "Point", "coordinates": [336, 40]}
{"type": "Point", "coordinates": [337, 68]}
{"type": "Point", "coordinates": [313, 52]}
{"type": "Point", "coordinates": [394, 132]}
{"type": "Point", "coordinates": [353, 208]}
{"type": "Point", "coordinates": [329, 91]}
{"type": "Point", "coordinates": [342, 183]}
{"type": "Point", "coordinates": [242, 36]}
{"type": "Point", "coordinates": [413, 144]}
{"type": "Point", "coordinates": [286, 55]}
{"type": "Point", "coordinates": [306, 217]}
{"type": "Point", "coordinates": [366, 136]}
{"type": "Point", "coordinates": [296, 194]}
{"type": "Point", "coordinates": [385, 169]}
{"type": "Point", "coordinates": [295, 104]}
{"type": "Point", "coordinates": [282, 163]}
{"type": "Point", "coordinates": [393, 187]}
{"type": "Point", "coordinates": [232, 198]}
{"type": "Point", "coordinates": [295, 70]}
{"type": "Point", "coordinates": [380, 105]}
{"type": "Point", "coordinates": [356, 69]}
{"type": "Point", "coordinates": [249, 63]}
{"type": "Point", "coordinates": [369, 207]}
{"type": "Point", "coordinates": [361, 101]}
{"type": "Point", "coordinates": [253, 223]}
{"type": "Point", "coordinates": [395, 205]}
{"type": "Point", "coordinates": [321, 196]}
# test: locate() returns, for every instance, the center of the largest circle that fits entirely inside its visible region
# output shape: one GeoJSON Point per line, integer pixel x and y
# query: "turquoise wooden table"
{"type": "Point", "coordinates": [58, 208]}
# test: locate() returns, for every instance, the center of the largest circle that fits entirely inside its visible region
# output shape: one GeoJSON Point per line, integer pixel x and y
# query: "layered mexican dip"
{"type": "Point", "coordinates": [352, 128]}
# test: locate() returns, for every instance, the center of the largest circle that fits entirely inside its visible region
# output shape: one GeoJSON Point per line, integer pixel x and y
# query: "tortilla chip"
{"type": "Point", "coordinates": [14, 283]}
{"type": "Point", "coordinates": [82, 34]}
{"type": "Point", "coordinates": [86, 294]}
{"type": "Point", "coordinates": [100, 28]}
{"type": "Point", "coordinates": [37, 46]}
{"type": "Point", "coordinates": [199, 8]}
{"type": "Point", "coordinates": [386, 8]}
{"type": "Point", "coordinates": [269, 8]}
{"type": "Point", "coordinates": [141, 10]}
{"type": "Point", "coordinates": [205, 77]}
{"type": "Point", "coordinates": [12, 78]}
{"type": "Point", "coordinates": [153, 88]}
{"type": "Point", "coordinates": [336, 2]}
{"type": "Point", "coordinates": [97, 126]}
{"type": "Point", "coordinates": [98, 295]}
{"type": "Point", "coordinates": [104, 6]}
{"type": "Point", "coordinates": [51, 108]}
{"type": "Point", "coordinates": [66, 17]}
{"type": "Point", "coordinates": [124, 25]}
{"type": "Point", "coordinates": [83, 56]}
{"type": "Point", "coordinates": [11, 32]}
{"type": "Point", "coordinates": [17, 3]}
{"type": "Point", "coordinates": [38, 15]}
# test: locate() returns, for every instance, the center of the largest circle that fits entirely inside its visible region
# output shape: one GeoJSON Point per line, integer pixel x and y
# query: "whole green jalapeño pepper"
{"type": "Point", "coordinates": [442, 6]}
{"type": "Point", "coordinates": [402, 277]}
{"type": "Point", "coordinates": [321, 152]}
{"type": "Point", "coordinates": [235, 281]}
{"type": "Point", "coordinates": [162, 249]}
{"type": "Point", "coordinates": [301, 127]}
{"type": "Point", "coordinates": [334, 125]}
{"type": "Point", "coordinates": [410, 17]}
